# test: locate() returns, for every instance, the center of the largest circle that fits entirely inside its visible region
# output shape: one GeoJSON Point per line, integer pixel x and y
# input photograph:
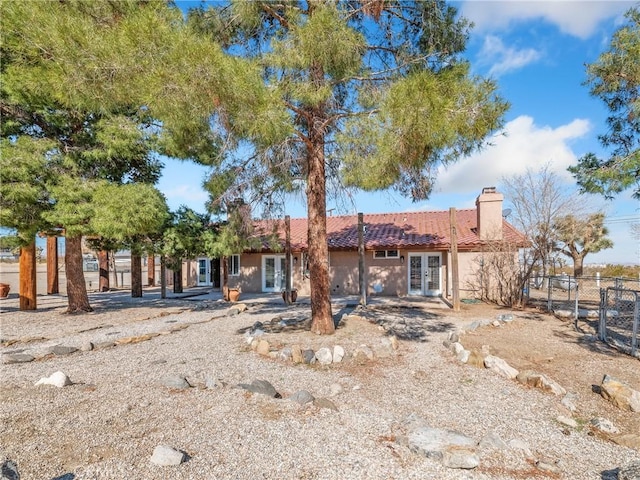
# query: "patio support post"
{"type": "Point", "coordinates": [361, 272]}
{"type": "Point", "coordinates": [455, 279]}
{"type": "Point", "coordinates": [53, 285]}
{"type": "Point", "coordinates": [287, 260]}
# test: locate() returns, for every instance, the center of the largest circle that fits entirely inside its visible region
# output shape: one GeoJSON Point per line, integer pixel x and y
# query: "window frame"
{"type": "Point", "coordinates": [233, 260]}
{"type": "Point", "coordinates": [387, 254]}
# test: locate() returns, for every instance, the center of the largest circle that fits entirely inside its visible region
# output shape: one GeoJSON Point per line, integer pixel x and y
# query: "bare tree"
{"type": "Point", "coordinates": [538, 198]}
{"type": "Point", "coordinates": [500, 277]}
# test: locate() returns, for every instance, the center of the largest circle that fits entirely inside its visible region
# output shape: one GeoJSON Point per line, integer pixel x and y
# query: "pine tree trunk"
{"type": "Point", "coordinates": [28, 287]}
{"type": "Point", "coordinates": [151, 270]}
{"type": "Point", "coordinates": [77, 297]}
{"type": "Point", "coordinates": [53, 281]}
{"type": "Point", "coordinates": [103, 266]}
{"type": "Point", "coordinates": [136, 275]}
{"type": "Point", "coordinates": [322, 319]}
{"type": "Point", "coordinates": [177, 279]}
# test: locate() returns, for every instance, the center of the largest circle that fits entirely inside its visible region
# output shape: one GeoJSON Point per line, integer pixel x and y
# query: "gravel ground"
{"type": "Point", "coordinates": [107, 424]}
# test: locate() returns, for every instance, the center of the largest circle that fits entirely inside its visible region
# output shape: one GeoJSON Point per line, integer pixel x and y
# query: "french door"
{"type": "Point", "coordinates": [425, 274]}
{"type": "Point", "coordinates": [204, 272]}
{"type": "Point", "coordinates": [273, 273]}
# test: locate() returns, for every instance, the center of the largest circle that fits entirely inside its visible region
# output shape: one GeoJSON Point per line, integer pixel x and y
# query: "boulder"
{"type": "Point", "coordinates": [302, 397]}
{"type": "Point", "coordinates": [165, 456]}
{"type": "Point", "coordinates": [434, 442]}
{"type": "Point", "coordinates": [262, 387]}
{"type": "Point", "coordinates": [10, 358]}
{"type": "Point", "coordinates": [538, 380]}
{"type": "Point", "coordinates": [296, 354]}
{"type": "Point", "coordinates": [175, 381]}
{"type": "Point", "coordinates": [324, 356]}
{"type": "Point", "coordinates": [263, 348]}
{"type": "Point", "coordinates": [338, 354]}
{"type": "Point", "coordinates": [500, 366]}
{"type": "Point", "coordinates": [62, 350]}
{"type": "Point", "coordinates": [603, 425]}
{"type": "Point", "coordinates": [325, 403]}
{"type": "Point", "coordinates": [57, 379]}
{"type": "Point", "coordinates": [476, 359]}
{"type": "Point", "coordinates": [621, 395]}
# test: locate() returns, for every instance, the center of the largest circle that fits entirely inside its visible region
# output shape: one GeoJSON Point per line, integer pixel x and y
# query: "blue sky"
{"type": "Point", "coordinates": [536, 51]}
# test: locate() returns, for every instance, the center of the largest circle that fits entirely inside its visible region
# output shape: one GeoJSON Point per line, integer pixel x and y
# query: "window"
{"type": "Point", "coordinates": [233, 265]}
{"type": "Point", "coordinates": [386, 254]}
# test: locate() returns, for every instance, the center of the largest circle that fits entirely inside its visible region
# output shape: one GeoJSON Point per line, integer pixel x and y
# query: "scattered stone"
{"type": "Point", "coordinates": [538, 380]}
{"type": "Point", "coordinates": [212, 381]}
{"type": "Point", "coordinates": [463, 356]}
{"type": "Point", "coordinates": [175, 381]}
{"type": "Point", "coordinates": [233, 311]}
{"type": "Point", "coordinates": [335, 389]}
{"type": "Point", "coordinates": [57, 379]}
{"type": "Point", "coordinates": [338, 354]}
{"type": "Point", "coordinates": [302, 397]}
{"type": "Point", "coordinates": [563, 314]}
{"type": "Point", "coordinates": [621, 395]}
{"type": "Point", "coordinates": [325, 403]}
{"type": "Point", "coordinates": [394, 342]}
{"type": "Point", "coordinates": [569, 422]}
{"type": "Point", "coordinates": [604, 425]}
{"type": "Point", "coordinates": [285, 354]}
{"type": "Point", "coordinates": [10, 358]}
{"type": "Point", "coordinates": [262, 387]}
{"type": "Point", "coordinates": [100, 345]}
{"type": "Point", "coordinates": [165, 456]}
{"type": "Point", "coordinates": [629, 472]}
{"type": "Point", "coordinates": [460, 458]}
{"type": "Point", "coordinates": [62, 350]}
{"type": "Point", "coordinates": [569, 401]}
{"type": "Point", "coordinates": [385, 348]}
{"type": "Point", "coordinates": [476, 359]}
{"type": "Point", "coordinates": [472, 326]}
{"type": "Point", "coordinates": [492, 441]}
{"type": "Point", "coordinates": [363, 354]}
{"type": "Point", "coordinates": [547, 466]}
{"type": "Point", "coordinates": [324, 356]}
{"type": "Point", "coordinates": [263, 348]}
{"type": "Point", "coordinates": [86, 347]}
{"type": "Point", "coordinates": [500, 366]}
{"type": "Point", "coordinates": [456, 348]}
{"type": "Point", "coordinates": [454, 336]}
{"type": "Point", "coordinates": [296, 354]}
{"type": "Point", "coordinates": [241, 307]}
{"type": "Point", "coordinates": [9, 470]}
{"type": "Point", "coordinates": [308, 356]}
{"type": "Point", "coordinates": [433, 442]}
{"type": "Point", "coordinates": [141, 338]}
{"type": "Point", "coordinates": [496, 323]}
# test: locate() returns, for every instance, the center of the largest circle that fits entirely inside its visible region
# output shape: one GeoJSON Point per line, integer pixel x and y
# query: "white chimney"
{"type": "Point", "coordinates": [489, 211]}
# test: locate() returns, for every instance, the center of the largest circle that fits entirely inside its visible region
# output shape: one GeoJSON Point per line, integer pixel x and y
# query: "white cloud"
{"type": "Point", "coordinates": [505, 59]}
{"type": "Point", "coordinates": [182, 194]}
{"type": "Point", "coordinates": [579, 18]}
{"type": "Point", "coordinates": [524, 145]}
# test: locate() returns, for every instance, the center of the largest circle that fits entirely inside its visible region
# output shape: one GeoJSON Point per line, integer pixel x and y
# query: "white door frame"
{"type": "Point", "coordinates": [279, 273]}
{"type": "Point", "coordinates": [203, 266]}
{"type": "Point", "coordinates": [428, 280]}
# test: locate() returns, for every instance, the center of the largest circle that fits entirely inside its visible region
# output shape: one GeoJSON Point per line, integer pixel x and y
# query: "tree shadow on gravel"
{"type": "Point", "coordinates": [406, 322]}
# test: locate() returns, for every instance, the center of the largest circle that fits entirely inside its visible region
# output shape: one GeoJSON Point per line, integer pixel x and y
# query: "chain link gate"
{"type": "Point", "coordinates": [619, 319]}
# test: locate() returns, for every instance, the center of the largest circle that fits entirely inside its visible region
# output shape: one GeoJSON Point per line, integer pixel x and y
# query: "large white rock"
{"type": "Point", "coordinates": [500, 366]}
{"type": "Point", "coordinates": [166, 456]}
{"type": "Point", "coordinates": [57, 379]}
{"type": "Point", "coordinates": [324, 356]}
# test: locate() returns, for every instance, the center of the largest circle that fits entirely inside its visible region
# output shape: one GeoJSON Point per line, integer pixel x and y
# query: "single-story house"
{"type": "Point", "coordinates": [406, 253]}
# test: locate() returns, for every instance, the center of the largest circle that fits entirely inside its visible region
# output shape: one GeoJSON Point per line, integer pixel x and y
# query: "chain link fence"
{"type": "Point", "coordinates": [607, 306]}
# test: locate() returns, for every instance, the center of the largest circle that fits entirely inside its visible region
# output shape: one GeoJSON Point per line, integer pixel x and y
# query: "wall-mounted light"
{"type": "Point", "coordinates": [402, 259]}
{"type": "Point", "coordinates": [295, 260]}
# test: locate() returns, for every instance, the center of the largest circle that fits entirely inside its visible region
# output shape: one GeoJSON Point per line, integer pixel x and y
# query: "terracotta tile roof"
{"type": "Point", "coordinates": [392, 230]}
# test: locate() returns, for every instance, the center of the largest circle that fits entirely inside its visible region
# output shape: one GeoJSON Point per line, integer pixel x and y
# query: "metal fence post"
{"type": "Point", "coordinates": [602, 327]}
{"type": "Point", "coordinates": [576, 306]}
{"type": "Point", "coordinates": [636, 320]}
